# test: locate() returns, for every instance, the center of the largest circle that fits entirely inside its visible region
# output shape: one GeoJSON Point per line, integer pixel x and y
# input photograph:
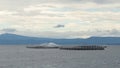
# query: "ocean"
{"type": "Point", "coordinates": [22, 57]}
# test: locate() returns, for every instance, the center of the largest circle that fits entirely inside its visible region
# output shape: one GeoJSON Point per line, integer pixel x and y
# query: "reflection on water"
{"type": "Point", "coordinates": [22, 57]}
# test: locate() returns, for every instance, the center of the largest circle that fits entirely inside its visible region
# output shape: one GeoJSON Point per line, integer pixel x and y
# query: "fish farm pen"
{"type": "Point", "coordinates": [83, 48]}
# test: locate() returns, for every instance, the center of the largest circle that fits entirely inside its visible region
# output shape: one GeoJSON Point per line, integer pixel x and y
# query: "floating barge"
{"type": "Point", "coordinates": [41, 47]}
{"type": "Point", "coordinates": [45, 46]}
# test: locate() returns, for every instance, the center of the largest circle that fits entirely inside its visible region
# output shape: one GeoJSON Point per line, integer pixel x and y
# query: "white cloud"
{"type": "Point", "coordinates": [6, 12]}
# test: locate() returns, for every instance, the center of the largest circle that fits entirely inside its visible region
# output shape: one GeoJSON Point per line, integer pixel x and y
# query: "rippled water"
{"type": "Point", "coordinates": [22, 57]}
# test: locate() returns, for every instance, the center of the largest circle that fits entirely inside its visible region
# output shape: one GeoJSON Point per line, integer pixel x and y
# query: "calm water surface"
{"type": "Point", "coordinates": [22, 57]}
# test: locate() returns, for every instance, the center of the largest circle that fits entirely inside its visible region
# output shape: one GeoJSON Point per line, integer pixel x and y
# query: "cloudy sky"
{"type": "Point", "coordinates": [60, 18]}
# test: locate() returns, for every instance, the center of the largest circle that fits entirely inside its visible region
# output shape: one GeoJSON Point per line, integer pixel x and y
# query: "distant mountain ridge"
{"type": "Point", "coordinates": [13, 39]}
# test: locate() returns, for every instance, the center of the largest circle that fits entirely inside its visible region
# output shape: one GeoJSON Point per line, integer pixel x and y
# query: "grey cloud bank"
{"type": "Point", "coordinates": [59, 26]}
{"type": "Point", "coordinates": [22, 3]}
{"type": "Point", "coordinates": [9, 30]}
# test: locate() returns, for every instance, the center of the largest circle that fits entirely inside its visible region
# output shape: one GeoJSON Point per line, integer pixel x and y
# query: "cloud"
{"type": "Point", "coordinates": [59, 26]}
{"type": "Point", "coordinates": [106, 1]}
{"type": "Point", "coordinates": [6, 12]}
{"type": "Point", "coordinates": [77, 18]}
{"type": "Point", "coordinates": [17, 5]}
{"type": "Point", "coordinates": [76, 34]}
{"type": "Point", "coordinates": [8, 30]}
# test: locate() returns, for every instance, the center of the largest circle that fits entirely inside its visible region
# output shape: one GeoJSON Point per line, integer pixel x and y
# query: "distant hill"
{"type": "Point", "coordinates": [13, 39]}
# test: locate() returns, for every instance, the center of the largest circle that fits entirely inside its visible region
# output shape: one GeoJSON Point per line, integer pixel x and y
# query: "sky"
{"type": "Point", "coordinates": [60, 18]}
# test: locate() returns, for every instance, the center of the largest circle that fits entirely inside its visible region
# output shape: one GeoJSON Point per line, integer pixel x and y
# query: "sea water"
{"type": "Point", "coordinates": [22, 57]}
